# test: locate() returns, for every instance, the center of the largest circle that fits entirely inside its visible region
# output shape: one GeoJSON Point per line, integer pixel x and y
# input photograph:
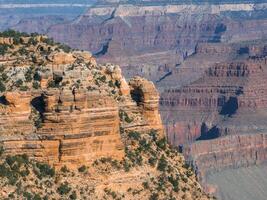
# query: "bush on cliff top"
{"type": "Point", "coordinates": [13, 34]}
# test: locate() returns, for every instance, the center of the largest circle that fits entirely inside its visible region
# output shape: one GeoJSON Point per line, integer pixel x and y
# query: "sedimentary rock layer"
{"type": "Point", "coordinates": [68, 111]}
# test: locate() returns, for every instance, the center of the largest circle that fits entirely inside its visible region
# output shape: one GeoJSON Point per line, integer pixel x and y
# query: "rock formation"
{"type": "Point", "coordinates": [59, 108]}
{"type": "Point", "coordinates": [218, 120]}
{"type": "Point", "coordinates": [67, 111]}
{"type": "Point", "coordinates": [144, 38]}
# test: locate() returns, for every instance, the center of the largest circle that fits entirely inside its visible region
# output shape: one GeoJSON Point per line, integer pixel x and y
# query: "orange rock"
{"type": "Point", "coordinates": [4, 40]}
{"type": "Point", "coordinates": [61, 58]}
{"type": "Point", "coordinates": [147, 97]}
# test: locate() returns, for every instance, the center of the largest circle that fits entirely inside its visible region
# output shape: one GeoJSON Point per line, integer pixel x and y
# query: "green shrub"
{"type": "Point", "coordinates": [64, 169]}
{"type": "Point", "coordinates": [162, 164]}
{"type": "Point", "coordinates": [152, 161]}
{"type": "Point", "coordinates": [153, 133]}
{"type": "Point", "coordinates": [174, 182]}
{"type": "Point", "coordinates": [1, 150]}
{"type": "Point", "coordinates": [32, 41]}
{"type": "Point", "coordinates": [162, 143]}
{"type": "Point", "coordinates": [44, 170]}
{"type": "Point", "coordinates": [35, 85]}
{"type": "Point", "coordinates": [4, 77]}
{"type": "Point", "coordinates": [103, 78]}
{"type": "Point", "coordinates": [3, 49]}
{"type": "Point", "coordinates": [111, 84]}
{"type": "Point", "coordinates": [18, 83]}
{"type": "Point", "coordinates": [52, 84]}
{"type": "Point", "coordinates": [144, 145]}
{"type": "Point", "coordinates": [64, 189]}
{"type": "Point", "coordinates": [82, 169]}
{"type": "Point", "coordinates": [27, 195]}
{"type": "Point", "coordinates": [154, 196]}
{"type": "Point", "coordinates": [11, 168]}
{"type": "Point", "coordinates": [124, 116]}
{"type": "Point", "coordinates": [37, 197]}
{"type": "Point", "coordinates": [73, 196]}
{"type": "Point", "coordinates": [189, 173]}
{"type": "Point", "coordinates": [37, 76]}
{"type": "Point", "coordinates": [38, 123]}
{"type": "Point", "coordinates": [49, 41]}
{"type": "Point", "coordinates": [126, 166]}
{"type": "Point", "coordinates": [134, 135]}
{"type": "Point", "coordinates": [112, 162]}
{"type": "Point", "coordinates": [2, 87]}
{"type": "Point", "coordinates": [145, 185]}
{"type": "Point", "coordinates": [117, 83]}
{"type": "Point", "coordinates": [127, 118]}
{"type": "Point", "coordinates": [65, 48]}
{"type": "Point", "coordinates": [34, 59]}
{"type": "Point", "coordinates": [12, 33]}
{"type": "Point", "coordinates": [23, 51]}
{"type": "Point", "coordinates": [2, 68]}
{"type": "Point", "coordinates": [23, 88]}
{"type": "Point", "coordinates": [28, 75]}
{"type": "Point", "coordinates": [18, 159]}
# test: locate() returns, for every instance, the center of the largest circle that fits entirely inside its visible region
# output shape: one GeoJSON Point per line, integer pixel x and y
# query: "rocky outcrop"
{"type": "Point", "coordinates": [59, 108]}
{"type": "Point", "coordinates": [68, 112]}
{"type": "Point", "coordinates": [147, 98]}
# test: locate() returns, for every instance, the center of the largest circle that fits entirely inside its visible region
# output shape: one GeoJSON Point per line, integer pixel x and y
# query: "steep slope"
{"type": "Point", "coordinates": [59, 107]}
{"type": "Point", "coordinates": [218, 120]}
{"type": "Point", "coordinates": [147, 37]}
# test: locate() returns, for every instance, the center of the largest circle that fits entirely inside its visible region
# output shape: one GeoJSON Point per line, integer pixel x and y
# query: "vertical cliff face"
{"type": "Point", "coordinates": [218, 120]}
{"type": "Point", "coordinates": [67, 111]}
{"type": "Point", "coordinates": [148, 37]}
{"type": "Point", "coordinates": [132, 35]}
{"type": "Point", "coordinates": [103, 136]}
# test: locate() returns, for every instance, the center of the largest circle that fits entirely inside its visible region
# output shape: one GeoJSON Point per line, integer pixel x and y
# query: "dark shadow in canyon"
{"type": "Point", "coordinates": [164, 76]}
{"type": "Point", "coordinates": [39, 104]}
{"type": "Point", "coordinates": [3, 101]}
{"type": "Point", "coordinates": [230, 107]}
{"type": "Point", "coordinates": [208, 134]}
{"type": "Point", "coordinates": [103, 50]}
{"type": "Point", "coordinates": [137, 96]}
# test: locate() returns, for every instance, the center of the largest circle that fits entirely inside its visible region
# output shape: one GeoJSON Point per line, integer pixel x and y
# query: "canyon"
{"type": "Point", "coordinates": [66, 120]}
{"type": "Point", "coordinates": [208, 62]}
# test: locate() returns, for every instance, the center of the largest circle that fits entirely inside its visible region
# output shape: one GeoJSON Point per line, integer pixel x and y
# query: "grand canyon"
{"type": "Point", "coordinates": [206, 59]}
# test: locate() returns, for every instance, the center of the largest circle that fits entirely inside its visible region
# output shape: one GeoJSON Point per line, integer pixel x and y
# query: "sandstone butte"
{"type": "Point", "coordinates": [58, 106]}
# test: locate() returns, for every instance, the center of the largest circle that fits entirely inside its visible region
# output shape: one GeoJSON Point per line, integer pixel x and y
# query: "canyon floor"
{"type": "Point", "coordinates": [243, 183]}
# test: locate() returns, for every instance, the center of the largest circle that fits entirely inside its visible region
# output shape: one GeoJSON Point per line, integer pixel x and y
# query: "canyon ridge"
{"type": "Point", "coordinates": [207, 59]}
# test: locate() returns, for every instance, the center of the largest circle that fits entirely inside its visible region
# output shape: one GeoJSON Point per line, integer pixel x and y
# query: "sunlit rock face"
{"type": "Point", "coordinates": [57, 105]}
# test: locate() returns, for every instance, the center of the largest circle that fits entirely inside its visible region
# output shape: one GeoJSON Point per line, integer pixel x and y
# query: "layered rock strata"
{"type": "Point", "coordinates": [218, 120]}
{"type": "Point", "coordinates": [64, 109]}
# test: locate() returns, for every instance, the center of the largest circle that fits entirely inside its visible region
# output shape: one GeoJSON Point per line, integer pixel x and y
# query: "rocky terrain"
{"type": "Point", "coordinates": [150, 38]}
{"type": "Point", "coordinates": [145, 38]}
{"type": "Point", "coordinates": [208, 61]}
{"type": "Point", "coordinates": [222, 124]}
{"type": "Point", "coordinates": [73, 129]}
